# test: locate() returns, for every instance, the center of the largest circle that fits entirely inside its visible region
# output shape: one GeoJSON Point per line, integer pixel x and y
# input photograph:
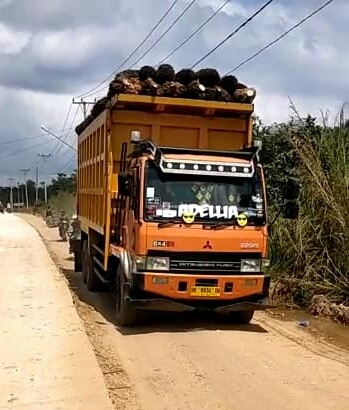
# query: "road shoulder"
{"type": "Point", "coordinates": [47, 359]}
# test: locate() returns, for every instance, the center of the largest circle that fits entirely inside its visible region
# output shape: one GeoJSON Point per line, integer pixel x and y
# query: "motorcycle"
{"type": "Point", "coordinates": [49, 221]}
{"type": "Point", "coordinates": [74, 233]}
{"type": "Point", "coordinates": [63, 229]}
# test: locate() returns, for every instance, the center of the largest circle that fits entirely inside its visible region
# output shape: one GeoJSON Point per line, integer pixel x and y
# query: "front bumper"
{"type": "Point", "coordinates": [172, 292]}
{"type": "Point", "coordinates": [167, 305]}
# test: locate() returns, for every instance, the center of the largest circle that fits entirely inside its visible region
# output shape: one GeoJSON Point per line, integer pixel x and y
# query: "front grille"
{"type": "Point", "coordinates": [205, 262]}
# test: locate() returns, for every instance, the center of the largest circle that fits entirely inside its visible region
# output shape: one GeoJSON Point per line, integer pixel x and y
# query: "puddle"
{"type": "Point", "coordinates": [331, 332]}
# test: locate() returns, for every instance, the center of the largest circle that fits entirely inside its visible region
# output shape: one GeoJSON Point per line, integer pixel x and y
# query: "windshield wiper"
{"type": "Point", "coordinates": [166, 223]}
{"type": "Point", "coordinates": [218, 226]}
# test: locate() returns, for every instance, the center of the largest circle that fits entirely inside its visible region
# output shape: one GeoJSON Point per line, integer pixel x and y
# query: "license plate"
{"type": "Point", "coordinates": [206, 291]}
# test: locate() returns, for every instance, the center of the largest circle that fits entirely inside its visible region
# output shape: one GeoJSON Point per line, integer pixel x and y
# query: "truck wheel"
{"type": "Point", "coordinates": [126, 314]}
{"type": "Point", "coordinates": [242, 317]}
{"type": "Point", "coordinates": [77, 262]}
{"type": "Point", "coordinates": [92, 281]}
{"type": "Point", "coordinates": [84, 259]}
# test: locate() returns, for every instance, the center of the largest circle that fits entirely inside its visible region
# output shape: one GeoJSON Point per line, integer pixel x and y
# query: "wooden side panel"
{"type": "Point", "coordinates": [91, 175]}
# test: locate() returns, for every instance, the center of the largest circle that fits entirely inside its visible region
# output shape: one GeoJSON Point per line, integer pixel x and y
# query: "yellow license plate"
{"type": "Point", "coordinates": [205, 291]}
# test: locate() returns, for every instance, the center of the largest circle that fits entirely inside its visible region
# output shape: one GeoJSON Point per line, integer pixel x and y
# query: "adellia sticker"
{"type": "Point", "coordinates": [208, 211]}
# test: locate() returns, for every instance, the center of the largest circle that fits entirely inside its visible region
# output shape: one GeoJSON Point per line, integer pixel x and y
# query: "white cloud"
{"type": "Point", "coordinates": [12, 42]}
{"type": "Point", "coordinates": [53, 51]}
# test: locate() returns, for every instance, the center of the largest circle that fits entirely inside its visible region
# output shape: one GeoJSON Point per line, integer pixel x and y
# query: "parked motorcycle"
{"type": "Point", "coordinates": [74, 233]}
{"type": "Point", "coordinates": [49, 221]}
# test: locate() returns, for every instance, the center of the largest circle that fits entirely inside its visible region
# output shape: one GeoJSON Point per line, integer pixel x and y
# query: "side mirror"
{"type": "Point", "coordinates": [124, 183]}
{"type": "Point", "coordinates": [292, 190]}
{"type": "Point", "coordinates": [291, 210]}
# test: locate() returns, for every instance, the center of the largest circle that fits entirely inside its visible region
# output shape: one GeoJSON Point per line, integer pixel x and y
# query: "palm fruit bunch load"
{"type": "Point", "coordinates": [163, 81]}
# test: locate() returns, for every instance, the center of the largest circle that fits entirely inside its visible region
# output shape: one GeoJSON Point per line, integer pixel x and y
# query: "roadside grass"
{"type": "Point", "coordinates": [310, 256]}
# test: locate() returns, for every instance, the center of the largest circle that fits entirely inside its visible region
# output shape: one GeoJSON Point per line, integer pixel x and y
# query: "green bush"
{"type": "Point", "coordinates": [310, 255]}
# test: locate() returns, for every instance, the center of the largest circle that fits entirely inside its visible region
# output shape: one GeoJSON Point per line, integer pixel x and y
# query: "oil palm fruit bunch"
{"type": "Point", "coordinates": [196, 90]}
{"type": "Point", "coordinates": [164, 73]}
{"type": "Point", "coordinates": [149, 87]}
{"type": "Point", "coordinates": [99, 107]}
{"type": "Point", "coordinates": [244, 95]}
{"type": "Point", "coordinates": [209, 77]}
{"type": "Point", "coordinates": [172, 89]}
{"type": "Point", "coordinates": [125, 82]}
{"type": "Point", "coordinates": [185, 76]}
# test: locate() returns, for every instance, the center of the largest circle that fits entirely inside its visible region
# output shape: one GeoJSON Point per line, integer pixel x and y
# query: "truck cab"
{"type": "Point", "coordinates": [194, 225]}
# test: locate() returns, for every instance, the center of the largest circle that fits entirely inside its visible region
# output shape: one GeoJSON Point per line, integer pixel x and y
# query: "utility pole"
{"type": "Point", "coordinates": [44, 157]}
{"type": "Point", "coordinates": [37, 185]}
{"type": "Point", "coordinates": [18, 192]}
{"type": "Point", "coordinates": [25, 171]}
{"type": "Point", "coordinates": [83, 104]}
{"type": "Point", "coordinates": [11, 181]}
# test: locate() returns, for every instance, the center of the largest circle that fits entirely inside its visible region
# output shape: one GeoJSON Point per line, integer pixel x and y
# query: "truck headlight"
{"type": "Point", "coordinates": [158, 263]}
{"type": "Point", "coordinates": [265, 264]}
{"type": "Point", "coordinates": [250, 265]}
{"type": "Point", "coordinates": [139, 263]}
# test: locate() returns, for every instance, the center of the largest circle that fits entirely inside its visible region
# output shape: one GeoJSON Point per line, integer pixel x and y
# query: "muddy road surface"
{"type": "Point", "coordinates": [192, 362]}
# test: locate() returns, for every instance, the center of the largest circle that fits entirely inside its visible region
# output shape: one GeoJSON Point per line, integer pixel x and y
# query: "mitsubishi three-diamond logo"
{"type": "Point", "coordinates": [207, 245]}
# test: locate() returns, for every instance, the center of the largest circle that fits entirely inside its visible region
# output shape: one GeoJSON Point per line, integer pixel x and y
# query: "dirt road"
{"type": "Point", "coordinates": [46, 359]}
{"type": "Point", "coordinates": [176, 362]}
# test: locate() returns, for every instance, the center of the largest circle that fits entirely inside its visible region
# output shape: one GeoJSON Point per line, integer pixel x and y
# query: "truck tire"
{"type": "Point", "coordinates": [126, 314]}
{"type": "Point", "coordinates": [77, 261]}
{"type": "Point", "coordinates": [84, 259]}
{"type": "Point", "coordinates": [242, 317]}
{"type": "Point", "coordinates": [92, 280]}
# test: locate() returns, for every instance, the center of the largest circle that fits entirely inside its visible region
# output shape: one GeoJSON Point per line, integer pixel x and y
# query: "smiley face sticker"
{"type": "Point", "coordinates": [242, 220]}
{"type": "Point", "coordinates": [188, 217]}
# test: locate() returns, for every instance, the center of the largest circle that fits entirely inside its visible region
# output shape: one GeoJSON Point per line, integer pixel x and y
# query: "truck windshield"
{"type": "Point", "coordinates": [207, 199]}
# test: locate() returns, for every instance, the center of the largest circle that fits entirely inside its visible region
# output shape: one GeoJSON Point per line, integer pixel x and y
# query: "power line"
{"type": "Point", "coordinates": [67, 163]}
{"type": "Point", "coordinates": [62, 142]}
{"type": "Point", "coordinates": [23, 150]}
{"type": "Point", "coordinates": [83, 105]}
{"type": "Point", "coordinates": [24, 139]}
{"type": "Point", "coordinates": [164, 33]}
{"type": "Point", "coordinates": [64, 124]}
{"type": "Point", "coordinates": [229, 36]}
{"type": "Point", "coordinates": [150, 48]}
{"type": "Point", "coordinates": [148, 35]}
{"type": "Point", "coordinates": [213, 15]}
{"type": "Point", "coordinates": [88, 93]}
{"type": "Point", "coordinates": [247, 60]}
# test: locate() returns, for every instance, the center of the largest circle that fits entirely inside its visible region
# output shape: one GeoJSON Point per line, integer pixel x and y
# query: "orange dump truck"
{"type": "Point", "coordinates": [172, 206]}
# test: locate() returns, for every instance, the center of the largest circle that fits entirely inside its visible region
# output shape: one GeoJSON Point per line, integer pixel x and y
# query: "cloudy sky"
{"type": "Point", "coordinates": [52, 51]}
